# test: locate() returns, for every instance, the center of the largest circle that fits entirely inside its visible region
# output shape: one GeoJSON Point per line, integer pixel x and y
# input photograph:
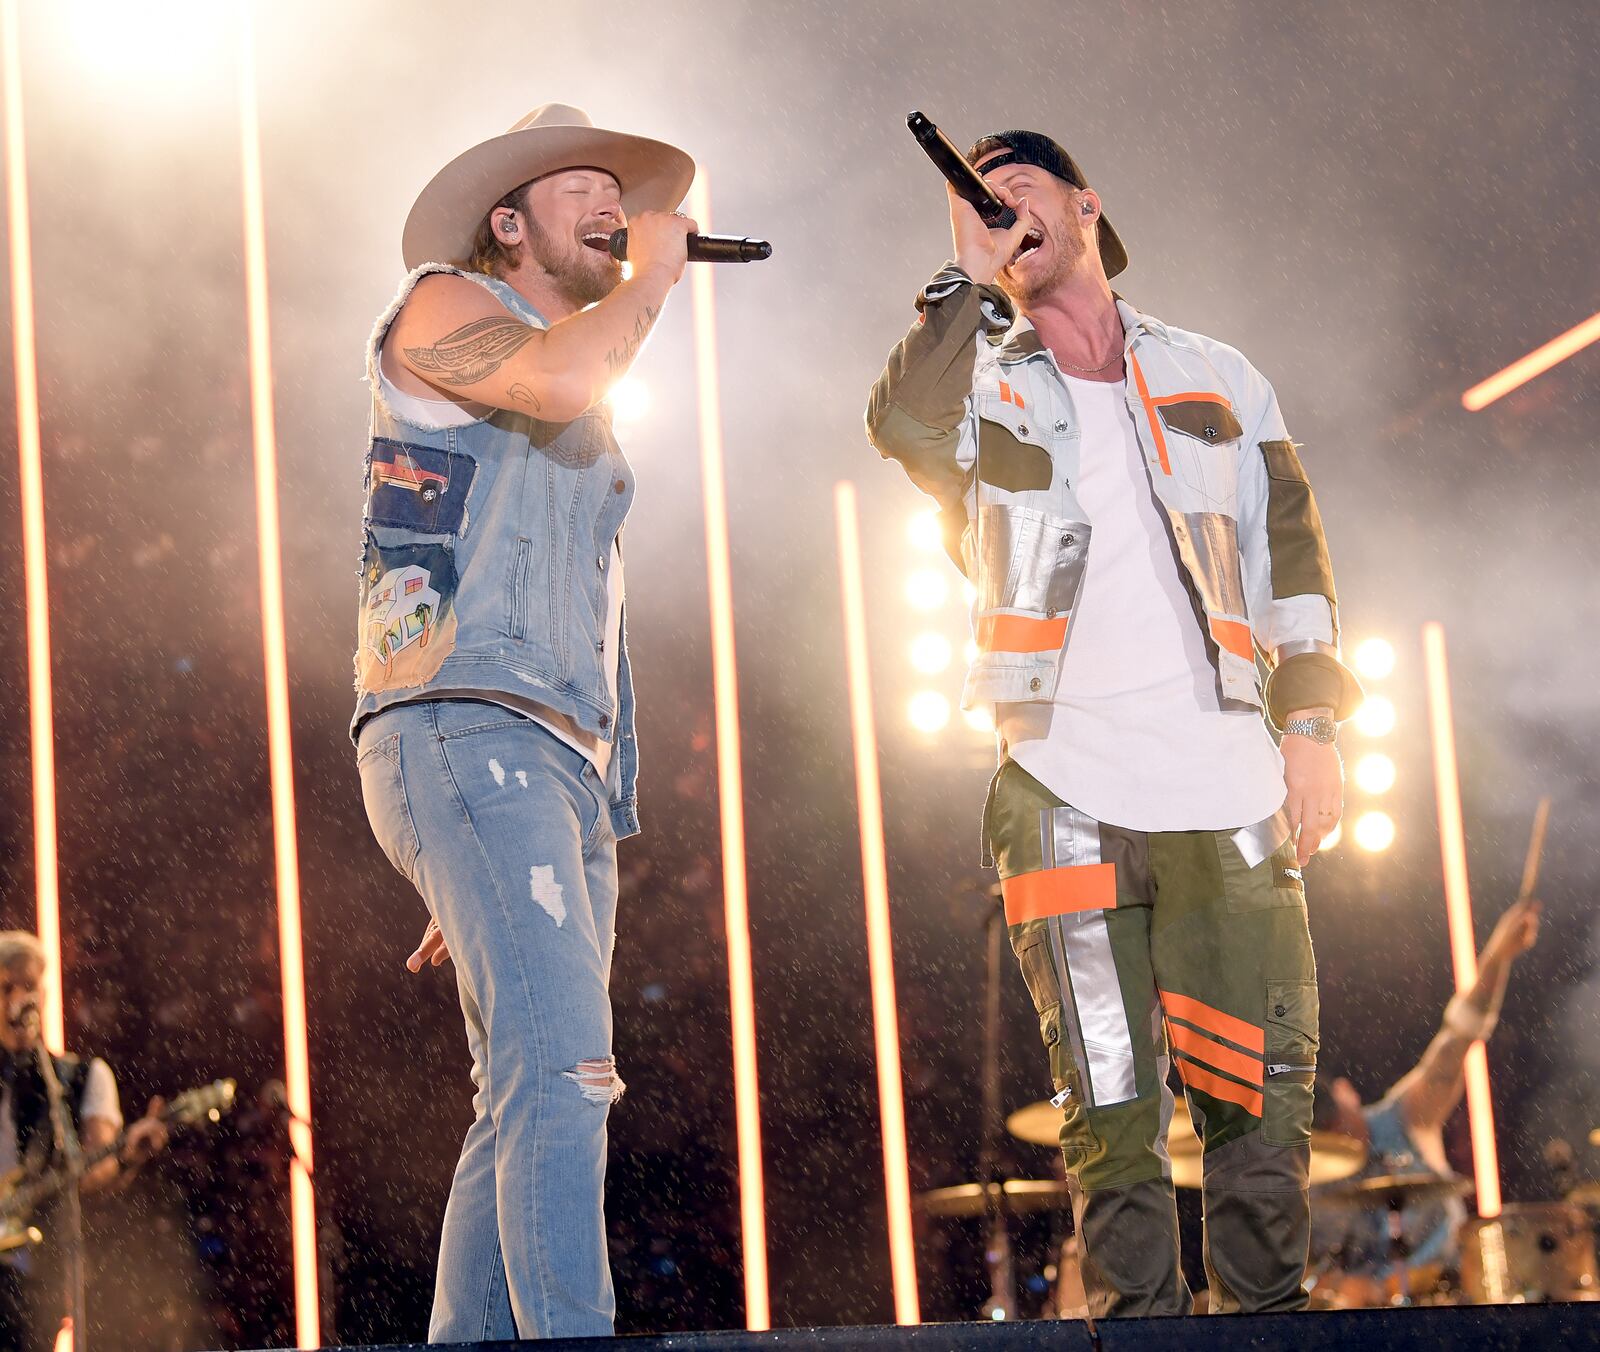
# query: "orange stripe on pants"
{"type": "Point", "coordinates": [1202, 1048]}
{"type": "Point", "coordinates": [1198, 1077]}
{"type": "Point", "coordinates": [1021, 634]}
{"type": "Point", "coordinates": [1214, 1021]}
{"type": "Point", "coordinates": [1059, 891]}
{"type": "Point", "coordinates": [1234, 637]}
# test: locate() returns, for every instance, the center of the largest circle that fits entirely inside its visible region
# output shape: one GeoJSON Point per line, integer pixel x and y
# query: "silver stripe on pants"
{"type": "Point", "coordinates": [1097, 1022]}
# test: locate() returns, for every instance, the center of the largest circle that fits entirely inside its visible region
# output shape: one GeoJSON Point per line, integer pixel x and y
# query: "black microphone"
{"type": "Point", "coordinates": [961, 176]}
{"type": "Point", "coordinates": [702, 248]}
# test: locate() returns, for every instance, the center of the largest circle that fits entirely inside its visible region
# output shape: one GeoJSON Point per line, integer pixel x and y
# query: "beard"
{"type": "Point", "coordinates": [1038, 284]}
{"type": "Point", "coordinates": [584, 276]}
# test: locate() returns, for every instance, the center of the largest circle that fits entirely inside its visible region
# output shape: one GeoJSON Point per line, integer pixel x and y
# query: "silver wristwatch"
{"type": "Point", "coordinates": [1320, 729]}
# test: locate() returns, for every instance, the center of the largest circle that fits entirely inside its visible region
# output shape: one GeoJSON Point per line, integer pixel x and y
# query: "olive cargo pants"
{"type": "Point", "coordinates": [1139, 948]}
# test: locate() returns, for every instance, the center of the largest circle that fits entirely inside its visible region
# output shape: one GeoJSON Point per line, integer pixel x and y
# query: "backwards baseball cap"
{"type": "Point", "coordinates": [1037, 149]}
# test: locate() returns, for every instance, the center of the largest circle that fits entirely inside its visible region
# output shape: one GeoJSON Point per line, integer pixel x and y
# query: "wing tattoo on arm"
{"type": "Point", "coordinates": [472, 352]}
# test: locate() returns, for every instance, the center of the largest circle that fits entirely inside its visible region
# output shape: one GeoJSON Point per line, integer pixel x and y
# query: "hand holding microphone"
{"type": "Point", "coordinates": [631, 244]}
{"type": "Point", "coordinates": [987, 223]}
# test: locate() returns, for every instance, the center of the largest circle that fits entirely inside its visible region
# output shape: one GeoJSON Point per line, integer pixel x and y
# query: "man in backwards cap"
{"type": "Point", "coordinates": [1125, 499]}
{"type": "Point", "coordinates": [494, 718]}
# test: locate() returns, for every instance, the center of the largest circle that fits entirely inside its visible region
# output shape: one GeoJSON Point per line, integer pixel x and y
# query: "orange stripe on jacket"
{"type": "Point", "coordinates": [1151, 414]}
{"type": "Point", "coordinates": [1202, 1048]}
{"type": "Point", "coordinates": [1059, 891]}
{"type": "Point", "coordinates": [1214, 1021]}
{"type": "Point", "coordinates": [1198, 1077]}
{"type": "Point", "coordinates": [1192, 394]}
{"type": "Point", "coordinates": [1021, 634]}
{"type": "Point", "coordinates": [1234, 637]}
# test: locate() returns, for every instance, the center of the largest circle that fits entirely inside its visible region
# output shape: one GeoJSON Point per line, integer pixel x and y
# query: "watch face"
{"type": "Point", "coordinates": [1324, 729]}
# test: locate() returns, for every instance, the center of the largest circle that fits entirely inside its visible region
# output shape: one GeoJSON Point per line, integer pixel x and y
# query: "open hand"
{"type": "Point", "coordinates": [432, 949]}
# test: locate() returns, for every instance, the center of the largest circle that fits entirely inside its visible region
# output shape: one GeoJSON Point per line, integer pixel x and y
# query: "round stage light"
{"type": "Point", "coordinates": [1332, 839]}
{"type": "Point", "coordinates": [928, 711]}
{"type": "Point", "coordinates": [1374, 831]}
{"type": "Point", "coordinates": [629, 399]}
{"type": "Point", "coordinates": [1374, 658]}
{"type": "Point", "coordinates": [1375, 773]}
{"type": "Point", "coordinates": [1375, 717]}
{"type": "Point", "coordinates": [980, 719]}
{"type": "Point", "coordinates": [152, 40]}
{"type": "Point", "coordinates": [930, 653]}
{"type": "Point", "coordinates": [927, 588]}
{"type": "Point", "coordinates": [923, 531]}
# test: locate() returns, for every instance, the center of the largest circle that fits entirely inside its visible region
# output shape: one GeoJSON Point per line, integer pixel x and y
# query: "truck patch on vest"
{"type": "Point", "coordinates": [419, 488]}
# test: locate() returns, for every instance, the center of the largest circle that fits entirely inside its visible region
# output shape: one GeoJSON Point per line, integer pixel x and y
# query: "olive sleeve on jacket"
{"type": "Point", "coordinates": [918, 405]}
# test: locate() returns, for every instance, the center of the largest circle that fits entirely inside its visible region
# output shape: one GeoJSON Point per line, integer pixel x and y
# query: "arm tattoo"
{"type": "Point", "coordinates": [472, 352]}
{"type": "Point", "coordinates": [523, 395]}
{"type": "Point", "coordinates": [619, 357]}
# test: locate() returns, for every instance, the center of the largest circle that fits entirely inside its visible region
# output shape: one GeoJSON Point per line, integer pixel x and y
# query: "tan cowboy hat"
{"type": "Point", "coordinates": [445, 217]}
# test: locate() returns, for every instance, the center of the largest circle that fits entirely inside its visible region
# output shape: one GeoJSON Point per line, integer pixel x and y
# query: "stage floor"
{"type": "Point", "coordinates": [1470, 1328]}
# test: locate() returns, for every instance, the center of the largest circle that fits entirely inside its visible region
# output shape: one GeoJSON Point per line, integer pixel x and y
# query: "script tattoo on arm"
{"type": "Point", "coordinates": [523, 395]}
{"type": "Point", "coordinates": [472, 352]}
{"type": "Point", "coordinates": [619, 357]}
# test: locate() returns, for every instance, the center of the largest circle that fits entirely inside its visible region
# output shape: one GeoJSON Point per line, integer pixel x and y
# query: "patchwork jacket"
{"type": "Point", "coordinates": [975, 409]}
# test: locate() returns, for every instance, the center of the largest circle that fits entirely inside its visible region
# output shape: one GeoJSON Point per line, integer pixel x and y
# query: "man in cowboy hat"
{"type": "Point", "coordinates": [494, 722]}
{"type": "Point", "coordinates": [1149, 834]}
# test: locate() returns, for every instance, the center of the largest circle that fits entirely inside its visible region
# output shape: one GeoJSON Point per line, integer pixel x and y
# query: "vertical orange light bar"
{"type": "Point", "coordinates": [41, 712]}
{"type": "Point", "coordinates": [297, 1077]}
{"type": "Point", "coordinates": [730, 786]}
{"type": "Point", "coordinates": [1458, 902]}
{"type": "Point", "coordinates": [875, 883]}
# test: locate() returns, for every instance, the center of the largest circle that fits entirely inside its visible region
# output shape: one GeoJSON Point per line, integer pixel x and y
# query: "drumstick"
{"type": "Point", "coordinates": [1530, 865]}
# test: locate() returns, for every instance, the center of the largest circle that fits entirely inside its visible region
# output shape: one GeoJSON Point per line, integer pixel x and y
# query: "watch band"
{"type": "Point", "coordinates": [1320, 729]}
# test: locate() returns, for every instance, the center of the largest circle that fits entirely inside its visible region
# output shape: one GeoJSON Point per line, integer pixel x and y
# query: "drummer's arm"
{"type": "Point", "coordinates": [1430, 1091]}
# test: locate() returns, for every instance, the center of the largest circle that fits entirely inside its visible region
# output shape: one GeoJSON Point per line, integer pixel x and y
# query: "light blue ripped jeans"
{"type": "Point", "coordinates": [505, 831]}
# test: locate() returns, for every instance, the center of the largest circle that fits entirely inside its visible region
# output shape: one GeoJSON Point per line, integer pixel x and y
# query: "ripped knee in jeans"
{"type": "Point", "coordinates": [597, 1080]}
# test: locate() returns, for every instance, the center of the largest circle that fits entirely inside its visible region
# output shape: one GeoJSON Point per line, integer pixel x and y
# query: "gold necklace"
{"type": "Point", "coordinates": [1116, 356]}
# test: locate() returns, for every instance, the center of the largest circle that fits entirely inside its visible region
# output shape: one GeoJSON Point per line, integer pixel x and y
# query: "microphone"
{"type": "Point", "coordinates": [961, 176]}
{"type": "Point", "coordinates": [702, 248]}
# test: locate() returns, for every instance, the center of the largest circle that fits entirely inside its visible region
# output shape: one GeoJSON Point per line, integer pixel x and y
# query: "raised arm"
{"type": "Point", "coordinates": [455, 336]}
{"type": "Point", "coordinates": [1430, 1091]}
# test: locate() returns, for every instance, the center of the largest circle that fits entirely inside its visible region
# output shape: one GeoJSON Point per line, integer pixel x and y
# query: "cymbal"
{"type": "Point", "coordinates": [1016, 1197]}
{"type": "Point", "coordinates": [1384, 1189]}
{"type": "Point", "coordinates": [1334, 1156]}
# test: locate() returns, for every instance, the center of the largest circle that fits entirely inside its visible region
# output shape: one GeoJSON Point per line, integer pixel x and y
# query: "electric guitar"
{"type": "Point", "coordinates": [23, 1189]}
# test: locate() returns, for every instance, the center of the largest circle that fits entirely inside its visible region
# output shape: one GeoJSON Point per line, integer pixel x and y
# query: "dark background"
{"type": "Point", "coordinates": [1379, 204]}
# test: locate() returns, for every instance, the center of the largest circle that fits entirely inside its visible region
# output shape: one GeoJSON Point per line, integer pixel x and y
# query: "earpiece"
{"type": "Point", "coordinates": [1088, 210]}
{"type": "Point", "coordinates": [510, 227]}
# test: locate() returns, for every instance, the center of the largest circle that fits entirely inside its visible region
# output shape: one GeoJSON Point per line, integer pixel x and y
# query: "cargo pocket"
{"type": "Point", "coordinates": [1031, 943]}
{"type": "Point", "coordinates": [1276, 881]}
{"type": "Point", "coordinates": [1291, 1061]}
{"type": "Point", "coordinates": [383, 792]}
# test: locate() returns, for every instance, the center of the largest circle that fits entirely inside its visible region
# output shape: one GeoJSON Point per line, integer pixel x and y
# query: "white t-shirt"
{"type": "Point", "coordinates": [435, 413]}
{"type": "Point", "coordinates": [1136, 735]}
{"type": "Point", "coordinates": [99, 1100]}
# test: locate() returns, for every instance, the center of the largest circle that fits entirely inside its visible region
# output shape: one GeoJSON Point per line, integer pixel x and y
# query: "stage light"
{"type": "Point", "coordinates": [629, 399]}
{"type": "Point", "coordinates": [930, 653]}
{"type": "Point", "coordinates": [1374, 831]}
{"type": "Point", "coordinates": [1536, 363]}
{"type": "Point", "coordinates": [1375, 773]}
{"type": "Point", "coordinates": [159, 38]}
{"type": "Point", "coordinates": [1374, 658]}
{"type": "Point", "coordinates": [1332, 839]}
{"type": "Point", "coordinates": [927, 588]}
{"type": "Point", "coordinates": [923, 531]}
{"type": "Point", "coordinates": [980, 719]}
{"type": "Point", "coordinates": [928, 711]}
{"type": "Point", "coordinates": [1375, 718]}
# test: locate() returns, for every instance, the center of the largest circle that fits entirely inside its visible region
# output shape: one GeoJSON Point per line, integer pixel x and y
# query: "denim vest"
{"type": "Point", "coordinates": [484, 560]}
